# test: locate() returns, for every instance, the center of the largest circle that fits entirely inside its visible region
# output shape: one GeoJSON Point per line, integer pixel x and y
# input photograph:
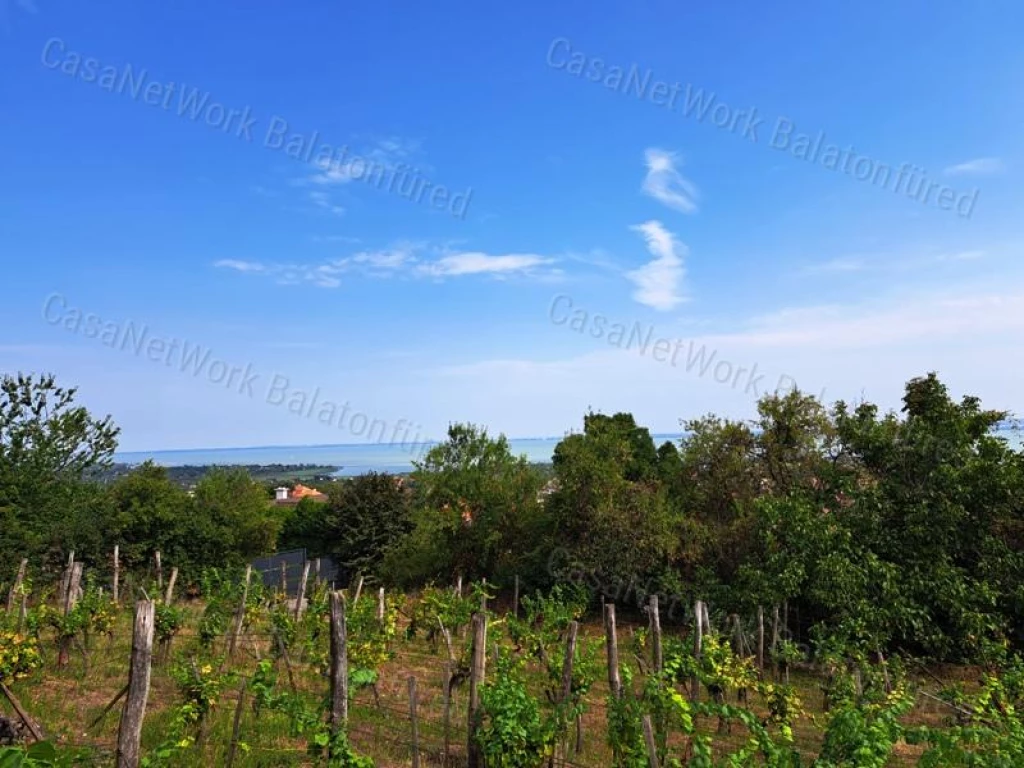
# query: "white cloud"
{"type": "Point", "coordinates": [403, 258]}
{"type": "Point", "coordinates": [240, 266]}
{"type": "Point", "coordinates": [665, 184]}
{"type": "Point", "coordinates": [659, 282]}
{"type": "Point", "coordinates": [978, 167]}
{"type": "Point", "coordinates": [343, 166]}
{"type": "Point", "coordinates": [323, 200]}
{"type": "Point", "coordinates": [387, 259]}
{"type": "Point", "coordinates": [476, 263]}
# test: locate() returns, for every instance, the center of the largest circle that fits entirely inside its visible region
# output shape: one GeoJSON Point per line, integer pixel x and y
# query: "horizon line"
{"type": "Point", "coordinates": [406, 446]}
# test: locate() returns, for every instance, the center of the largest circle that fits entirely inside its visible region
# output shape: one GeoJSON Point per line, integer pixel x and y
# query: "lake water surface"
{"type": "Point", "coordinates": [357, 458]}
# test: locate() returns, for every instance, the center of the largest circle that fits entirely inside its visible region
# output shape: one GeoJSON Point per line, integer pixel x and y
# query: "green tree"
{"type": "Point", "coordinates": [477, 508]}
{"type": "Point", "coordinates": [47, 447]}
{"type": "Point", "coordinates": [609, 520]}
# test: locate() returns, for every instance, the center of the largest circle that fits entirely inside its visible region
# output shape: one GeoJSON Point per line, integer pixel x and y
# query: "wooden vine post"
{"type": "Point", "coordinates": [236, 725]}
{"type": "Point", "coordinates": [159, 572]}
{"type": "Point", "coordinates": [16, 587]}
{"type": "Point", "coordinates": [612, 650]}
{"type": "Point", "coordinates": [659, 659]}
{"type": "Point", "coordinates": [698, 642]}
{"type": "Point", "coordinates": [62, 591]}
{"type": "Point", "coordinates": [415, 724]}
{"type": "Point", "coordinates": [301, 596]}
{"type": "Point", "coordinates": [169, 595]}
{"type": "Point", "coordinates": [339, 664]}
{"type": "Point", "coordinates": [117, 574]}
{"type": "Point", "coordinates": [359, 590]}
{"type": "Point", "coordinates": [760, 639]}
{"type": "Point", "coordinates": [565, 695]}
{"type": "Point", "coordinates": [476, 681]}
{"type": "Point", "coordinates": [446, 687]}
{"type": "Point", "coordinates": [236, 630]}
{"type": "Point", "coordinates": [652, 750]}
{"type": "Point", "coordinates": [129, 735]}
{"type": "Point", "coordinates": [515, 598]}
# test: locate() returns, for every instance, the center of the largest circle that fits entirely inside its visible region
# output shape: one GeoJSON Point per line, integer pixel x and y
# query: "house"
{"type": "Point", "coordinates": [284, 496]}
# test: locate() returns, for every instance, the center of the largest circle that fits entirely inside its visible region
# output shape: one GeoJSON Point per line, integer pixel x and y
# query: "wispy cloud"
{"type": "Point", "coordinates": [382, 154]}
{"type": "Point", "coordinates": [240, 266]}
{"type": "Point", "coordinates": [402, 259]}
{"type": "Point", "coordinates": [323, 200]}
{"type": "Point", "coordinates": [665, 184]}
{"type": "Point", "coordinates": [477, 263]}
{"type": "Point", "coordinates": [981, 166]}
{"type": "Point", "coordinates": [659, 282]}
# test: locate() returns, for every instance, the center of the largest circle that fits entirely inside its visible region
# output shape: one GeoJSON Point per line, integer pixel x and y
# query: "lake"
{"type": "Point", "coordinates": [357, 458]}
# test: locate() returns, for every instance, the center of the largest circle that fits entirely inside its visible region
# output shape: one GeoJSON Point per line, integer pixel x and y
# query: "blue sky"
{"type": "Point", "coordinates": [583, 197]}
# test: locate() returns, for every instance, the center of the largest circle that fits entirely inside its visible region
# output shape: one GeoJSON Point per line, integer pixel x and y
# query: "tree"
{"type": "Point", "coordinates": [148, 512]}
{"type": "Point", "coordinates": [232, 519]}
{"type": "Point", "coordinates": [477, 507]}
{"type": "Point", "coordinates": [47, 447]}
{"type": "Point", "coordinates": [370, 513]}
{"type": "Point", "coordinates": [610, 523]}
{"type": "Point", "coordinates": [360, 522]}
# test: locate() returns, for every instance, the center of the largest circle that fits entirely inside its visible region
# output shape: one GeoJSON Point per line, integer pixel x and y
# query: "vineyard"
{"type": "Point", "coordinates": [246, 675]}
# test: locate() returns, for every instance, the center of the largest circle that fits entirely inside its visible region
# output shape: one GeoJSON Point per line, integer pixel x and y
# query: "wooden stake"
{"type": "Point", "coordinates": [240, 614]}
{"type": "Point", "coordinates": [74, 588]}
{"type": "Point", "coordinates": [446, 686]}
{"type": "Point", "coordinates": [359, 590]}
{"type": "Point", "coordinates": [567, 663]}
{"type": "Point", "coordinates": [117, 573]}
{"type": "Point", "coordinates": [652, 750]}
{"type": "Point", "coordinates": [169, 597]}
{"type": "Point", "coordinates": [65, 579]}
{"type": "Point", "coordinates": [17, 584]}
{"type": "Point", "coordinates": [33, 728]}
{"type": "Point", "coordinates": [415, 724]}
{"type": "Point", "coordinates": [515, 598]}
{"type": "Point", "coordinates": [107, 708]}
{"type": "Point", "coordinates": [476, 681]}
{"type": "Point", "coordinates": [129, 734]}
{"type": "Point", "coordinates": [612, 650]}
{"type": "Point", "coordinates": [447, 639]}
{"type": "Point", "coordinates": [236, 725]}
{"type": "Point", "coordinates": [656, 634]}
{"type": "Point", "coordinates": [159, 572]}
{"type": "Point", "coordinates": [339, 664]}
{"type": "Point", "coordinates": [698, 642]}
{"type": "Point", "coordinates": [301, 596]}
{"type": "Point", "coordinates": [284, 579]}
{"type": "Point", "coordinates": [775, 640]}
{"type": "Point", "coordinates": [380, 606]}
{"type": "Point", "coordinates": [760, 639]}
{"type": "Point", "coordinates": [287, 661]}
